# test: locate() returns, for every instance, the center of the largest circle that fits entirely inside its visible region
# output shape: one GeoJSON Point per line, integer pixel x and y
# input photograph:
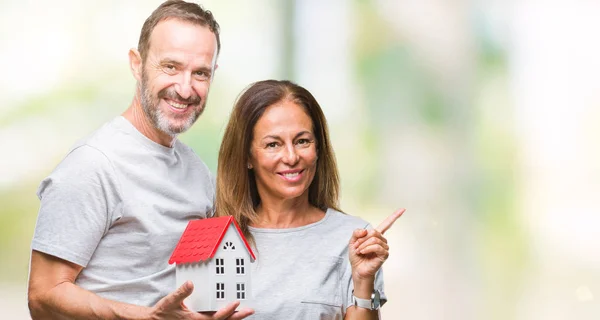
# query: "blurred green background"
{"type": "Point", "coordinates": [480, 117]}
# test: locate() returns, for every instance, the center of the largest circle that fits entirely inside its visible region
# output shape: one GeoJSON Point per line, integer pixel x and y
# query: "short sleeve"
{"type": "Point", "coordinates": [77, 201]}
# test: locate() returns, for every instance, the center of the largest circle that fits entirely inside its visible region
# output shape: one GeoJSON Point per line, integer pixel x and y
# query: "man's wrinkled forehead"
{"type": "Point", "coordinates": [182, 38]}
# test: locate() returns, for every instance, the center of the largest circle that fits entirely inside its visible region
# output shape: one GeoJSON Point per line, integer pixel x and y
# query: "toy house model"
{"type": "Point", "coordinates": [216, 257]}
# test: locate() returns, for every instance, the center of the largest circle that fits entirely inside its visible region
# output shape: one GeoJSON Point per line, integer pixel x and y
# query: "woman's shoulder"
{"type": "Point", "coordinates": [344, 220]}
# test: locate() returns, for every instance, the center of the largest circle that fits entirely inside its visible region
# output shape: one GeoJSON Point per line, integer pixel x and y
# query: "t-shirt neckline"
{"type": "Point", "coordinates": [295, 229]}
{"type": "Point", "coordinates": [140, 137]}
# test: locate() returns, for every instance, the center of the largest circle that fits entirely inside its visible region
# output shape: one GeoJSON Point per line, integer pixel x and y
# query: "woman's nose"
{"type": "Point", "coordinates": [291, 155]}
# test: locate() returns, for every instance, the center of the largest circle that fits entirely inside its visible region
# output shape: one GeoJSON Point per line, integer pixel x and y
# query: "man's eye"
{"type": "Point", "coordinates": [169, 68]}
{"type": "Point", "coordinates": [203, 75]}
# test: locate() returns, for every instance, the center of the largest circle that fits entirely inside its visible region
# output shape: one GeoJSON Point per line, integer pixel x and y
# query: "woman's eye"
{"type": "Point", "coordinates": [303, 142]}
{"type": "Point", "coordinates": [271, 144]}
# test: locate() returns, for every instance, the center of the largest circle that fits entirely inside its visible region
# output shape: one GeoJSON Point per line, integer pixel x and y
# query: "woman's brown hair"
{"type": "Point", "coordinates": [236, 186]}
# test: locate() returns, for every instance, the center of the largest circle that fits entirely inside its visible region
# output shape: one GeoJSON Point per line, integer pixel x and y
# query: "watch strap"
{"type": "Point", "coordinates": [370, 304]}
{"type": "Point", "coordinates": [362, 303]}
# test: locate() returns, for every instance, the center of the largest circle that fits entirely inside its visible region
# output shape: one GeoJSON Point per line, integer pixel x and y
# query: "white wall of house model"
{"type": "Point", "coordinates": [216, 258]}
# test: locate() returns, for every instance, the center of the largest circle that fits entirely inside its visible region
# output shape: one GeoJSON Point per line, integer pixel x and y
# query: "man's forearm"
{"type": "Point", "coordinates": [68, 301]}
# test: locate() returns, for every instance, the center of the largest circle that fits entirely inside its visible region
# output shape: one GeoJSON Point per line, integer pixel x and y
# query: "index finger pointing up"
{"type": "Point", "coordinates": [389, 221]}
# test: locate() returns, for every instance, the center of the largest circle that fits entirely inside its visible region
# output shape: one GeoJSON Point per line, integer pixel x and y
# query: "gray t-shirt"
{"type": "Point", "coordinates": [117, 205]}
{"type": "Point", "coordinates": [304, 273]}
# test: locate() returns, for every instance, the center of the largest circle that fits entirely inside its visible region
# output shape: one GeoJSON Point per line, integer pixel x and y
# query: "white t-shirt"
{"type": "Point", "coordinates": [117, 205]}
{"type": "Point", "coordinates": [304, 272]}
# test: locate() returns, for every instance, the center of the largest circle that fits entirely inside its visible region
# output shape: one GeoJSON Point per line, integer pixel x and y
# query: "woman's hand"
{"type": "Point", "coordinates": [368, 250]}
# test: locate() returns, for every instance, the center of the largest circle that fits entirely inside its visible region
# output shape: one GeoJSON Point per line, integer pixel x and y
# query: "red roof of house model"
{"type": "Point", "coordinates": [201, 239]}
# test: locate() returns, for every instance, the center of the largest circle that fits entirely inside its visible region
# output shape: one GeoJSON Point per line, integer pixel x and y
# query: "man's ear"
{"type": "Point", "coordinates": [212, 76]}
{"type": "Point", "coordinates": [135, 63]}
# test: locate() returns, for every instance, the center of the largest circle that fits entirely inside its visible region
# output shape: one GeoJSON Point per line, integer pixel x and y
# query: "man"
{"type": "Point", "coordinates": [114, 208]}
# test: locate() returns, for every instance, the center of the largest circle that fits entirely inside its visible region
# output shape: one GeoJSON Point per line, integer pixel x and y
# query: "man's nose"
{"type": "Point", "coordinates": [184, 86]}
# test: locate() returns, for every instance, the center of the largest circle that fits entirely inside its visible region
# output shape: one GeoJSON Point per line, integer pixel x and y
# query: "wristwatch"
{"type": "Point", "coordinates": [371, 304]}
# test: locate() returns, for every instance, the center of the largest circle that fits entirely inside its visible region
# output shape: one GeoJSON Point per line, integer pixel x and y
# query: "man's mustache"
{"type": "Point", "coordinates": [170, 93]}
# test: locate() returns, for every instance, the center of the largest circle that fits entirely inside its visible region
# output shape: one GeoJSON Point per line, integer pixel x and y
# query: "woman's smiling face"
{"type": "Point", "coordinates": [283, 152]}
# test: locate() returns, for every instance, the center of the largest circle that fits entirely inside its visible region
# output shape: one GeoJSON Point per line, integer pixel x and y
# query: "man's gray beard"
{"type": "Point", "coordinates": [156, 116]}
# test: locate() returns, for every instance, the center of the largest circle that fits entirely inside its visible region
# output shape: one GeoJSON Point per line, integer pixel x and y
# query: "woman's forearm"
{"type": "Point", "coordinates": [363, 288]}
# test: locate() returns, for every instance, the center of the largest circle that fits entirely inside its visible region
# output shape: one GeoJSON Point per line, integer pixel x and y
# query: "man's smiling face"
{"type": "Point", "coordinates": [177, 73]}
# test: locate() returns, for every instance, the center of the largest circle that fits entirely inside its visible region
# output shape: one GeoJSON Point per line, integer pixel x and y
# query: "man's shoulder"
{"type": "Point", "coordinates": [82, 161]}
{"type": "Point", "coordinates": [185, 149]}
{"type": "Point", "coordinates": [106, 137]}
{"type": "Point", "coordinates": [91, 152]}
{"type": "Point", "coordinates": [189, 154]}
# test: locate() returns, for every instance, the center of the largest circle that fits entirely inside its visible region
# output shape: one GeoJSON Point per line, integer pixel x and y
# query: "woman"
{"type": "Point", "coordinates": [278, 177]}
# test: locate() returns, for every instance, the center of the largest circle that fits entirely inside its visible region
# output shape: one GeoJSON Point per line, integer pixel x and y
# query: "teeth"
{"type": "Point", "coordinates": [291, 175]}
{"type": "Point", "coordinates": [178, 105]}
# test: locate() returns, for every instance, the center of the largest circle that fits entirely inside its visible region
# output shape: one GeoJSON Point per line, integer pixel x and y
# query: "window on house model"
{"type": "Point", "coordinates": [241, 291]}
{"type": "Point", "coordinates": [239, 266]}
{"type": "Point", "coordinates": [220, 266]}
{"type": "Point", "coordinates": [221, 290]}
{"type": "Point", "coordinates": [228, 245]}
